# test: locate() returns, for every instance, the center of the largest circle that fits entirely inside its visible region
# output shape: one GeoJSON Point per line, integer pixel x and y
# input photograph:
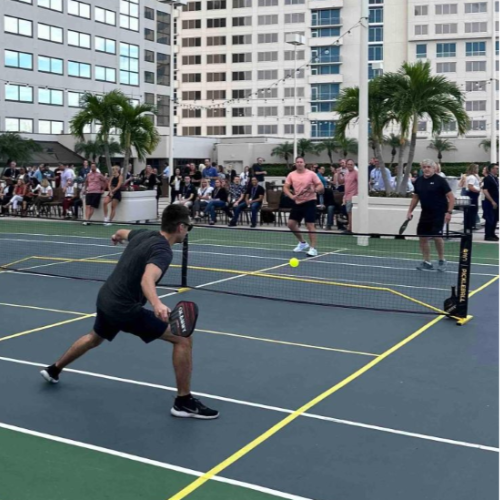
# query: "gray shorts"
{"type": "Point", "coordinates": [348, 206]}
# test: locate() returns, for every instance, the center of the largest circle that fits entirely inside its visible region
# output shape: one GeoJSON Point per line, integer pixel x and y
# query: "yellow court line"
{"type": "Point", "coordinates": [345, 351]}
{"type": "Point", "coordinates": [46, 327]}
{"type": "Point", "coordinates": [3, 266]}
{"type": "Point", "coordinates": [303, 409]}
{"type": "Point", "coordinates": [483, 286]}
{"type": "Point", "coordinates": [43, 309]}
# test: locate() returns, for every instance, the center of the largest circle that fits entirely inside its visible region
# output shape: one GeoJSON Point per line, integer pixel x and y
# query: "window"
{"type": "Point", "coordinates": [216, 4]}
{"type": "Point", "coordinates": [19, 125]}
{"type": "Point", "coordinates": [192, 6]}
{"type": "Point", "coordinates": [376, 16]}
{"type": "Point", "coordinates": [476, 27]}
{"type": "Point", "coordinates": [74, 99]}
{"type": "Point", "coordinates": [267, 38]}
{"type": "Point", "coordinates": [267, 56]}
{"type": "Point", "coordinates": [189, 60]}
{"type": "Point", "coordinates": [216, 113]}
{"type": "Point", "coordinates": [21, 60]}
{"type": "Point", "coordinates": [267, 20]}
{"type": "Point", "coordinates": [105, 16]}
{"type": "Point", "coordinates": [216, 23]}
{"type": "Point", "coordinates": [191, 113]}
{"type": "Point", "coordinates": [446, 50]}
{"type": "Point", "coordinates": [475, 86]}
{"type": "Point", "coordinates": [446, 29]}
{"type": "Point", "coordinates": [77, 39]}
{"type": "Point", "coordinates": [289, 129]}
{"type": "Point", "coordinates": [191, 78]}
{"type": "Point", "coordinates": [329, 17]}
{"type": "Point", "coordinates": [322, 129]}
{"type": "Point", "coordinates": [289, 92]}
{"type": "Point", "coordinates": [268, 3]}
{"type": "Point", "coordinates": [18, 26]}
{"type": "Point", "coordinates": [241, 112]}
{"type": "Point", "coordinates": [241, 93]}
{"type": "Point", "coordinates": [162, 28]}
{"type": "Point", "coordinates": [422, 126]}
{"type": "Point", "coordinates": [216, 77]}
{"type": "Point", "coordinates": [475, 49]}
{"type": "Point", "coordinates": [19, 93]}
{"type": "Point", "coordinates": [322, 107]}
{"type": "Point", "coordinates": [331, 54]}
{"type": "Point", "coordinates": [324, 91]}
{"type": "Point", "coordinates": [267, 129]}
{"type": "Point", "coordinates": [191, 42]}
{"type": "Point", "coordinates": [80, 70]}
{"type": "Point", "coordinates": [220, 130]}
{"type": "Point", "coordinates": [449, 127]}
{"type": "Point", "coordinates": [191, 24]}
{"type": "Point", "coordinates": [216, 95]}
{"type": "Point", "coordinates": [163, 110]}
{"type": "Point", "coordinates": [323, 32]}
{"type": "Point", "coordinates": [421, 29]}
{"type": "Point", "coordinates": [295, 2]}
{"type": "Point", "coordinates": [30, 2]}
{"type": "Point", "coordinates": [105, 45]}
{"type": "Point", "coordinates": [242, 130]}
{"type": "Point", "coordinates": [242, 21]}
{"type": "Point", "coordinates": [50, 33]}
{"type": "Point", "coordinates": [241, 75]}
{"type": "Point", "coordinates": [50, 127]}
{"type": "Point", "coordinates": [242, 58]}
{"type": "Point", "coordinates": [475, 66]}
{"type": "Point", "coordinates": [376, 53]}
{"type": "Point", "coordinates": [216, 58]}
{"type": "Point", "coordinates": [267, 74]}
{"type": "Point", "coordinates": [149, 34]}
{"type": "Point", "coordinates": [216, 40]}
{"type": "Point", "coordinates": [51, 4]}
{"type": "Point", "coordinates": [149, 56]}
{"type": "Point", "coordinates": [324, 69]}
{"type": "Point", "coordinates": [421, 51]}
{"type": "Point", "coordinates": [375, 34]}
{"type": "Point", "coordinates": [445, 9]}
{"type": "Point", "coordinates": [476, 7]}
{"type": "Point", "coordinates": [447, 67]}
{"type": "Point", "coordinates": [243, 39]}
{"type": "Point", "coordinates": [421, 10]}
{"type": "Point", "coordinates": [149, 13]}
{"type": "Point", "coordinates": [103, 74]}
{"type": "Point", "coordinates": [129, 14]}
{"type": "Point", "coordinates": [477, 125]}
{"type": "Point", "coordinates": [192, 95]}
{"type": "Point", "coordinates": [80, 9]}
{"type": "Point", "coordinates": [149, 77]}
{"type": "Point", "coordinates": [289, 111]}
{"type": "Point", "coordinates": [475, 106]}
{"type": "Point", "coordinates": [50, 96]}
{"type": "Point", "coordinates": [129, 64]}
{"type": "Point", "coordinates": [191, 130]}
{"type": "Point", "coordinates": [50, 65]}
{"type": "Point", "coordinates": [241, 4]}
{"type": "Point", "coordinates": [162, 69]}
{"type": "Point", "coordinates": [295, 18]}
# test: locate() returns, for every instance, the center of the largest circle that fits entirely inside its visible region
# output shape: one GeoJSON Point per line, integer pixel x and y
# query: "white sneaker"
{"type": "Point", "coordinates": [301, 247]}
{"type": "Point", "coordinates": [312, 252]}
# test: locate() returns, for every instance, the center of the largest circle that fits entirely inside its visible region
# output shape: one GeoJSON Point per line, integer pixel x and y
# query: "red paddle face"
{"type": "Point", "coordinates": [183, 319]}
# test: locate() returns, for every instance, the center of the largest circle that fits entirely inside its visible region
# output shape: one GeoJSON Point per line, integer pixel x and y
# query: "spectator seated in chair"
{"type": "Point", "coordinates": [44, 195]}
{"type": "Point", "coordinates": [201, 201]}
{"type": "Point", "coordinates": [70, 196]}
{"type": "Point", "coordinates": [187, 194]}
{"type": "Point", "coordinates": [218, 200]}
{"type": "Point", "coordinates": [253, 200]}
{"type": "Point", "coordinates": [19, 193]}
{"type": "Point", "coordinates": [235, 192]}
{"type": "Point", "coordinates": [6, 194]}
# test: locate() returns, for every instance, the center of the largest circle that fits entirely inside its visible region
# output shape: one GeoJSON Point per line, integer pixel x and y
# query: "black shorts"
{"type": "Point", "coordinates": [117, 196]}
{"type": "Point", "coordinates": [145, 325]}
{"type": "Point", "coordinates": [431, 223]}
{"type": "Point", "coordinates": [93, 199]}
{"type": "Point", "coordinates": [306, 211]}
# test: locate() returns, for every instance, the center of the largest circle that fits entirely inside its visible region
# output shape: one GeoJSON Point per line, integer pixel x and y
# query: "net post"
{"type": "Point", "coordinates": [184, 271]}
{"type": "Point", "coordinates": [463, 283]}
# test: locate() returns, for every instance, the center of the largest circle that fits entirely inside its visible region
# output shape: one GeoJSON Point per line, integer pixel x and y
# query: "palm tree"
{"type": "Point", "coordinates": [13, 147]}
{"type": "Point", "coordinates": [414, 93]}
{"type": "Point", "coordinates": [102, 109]}
{"type": "Point", "coordinates": [93, 150]}
{"type": "Point", "coordinates": [284, 151]}
{"type": "Point", "coordinates": [347, 146]}
{"type": "Point", "coordinates": [329, 145]}
{"type": "Point", "coordinates": [394, 142]}
{"type": "Point", "coordinates": [380, 116]}
{"type": "Point", "coordinates": [486, 144]}
{"type": "Point", "coordinates": [441, 145]}
{"type": "Point", "coordinates": [306, 146]}
{"type": "Point", "coordinates": [136, 129]}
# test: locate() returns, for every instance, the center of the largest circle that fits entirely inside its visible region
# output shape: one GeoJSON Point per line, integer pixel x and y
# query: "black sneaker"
{"type": "Point", "coordinates": [189, 407]}
{"type": "Point", "coordinates": [51, 374]}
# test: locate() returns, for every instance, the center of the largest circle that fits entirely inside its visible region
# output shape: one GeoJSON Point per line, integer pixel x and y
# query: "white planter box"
{"type": "Point", "coordinates": [135, 206]}
{"type": "Point", "coordinates": [386, 215]}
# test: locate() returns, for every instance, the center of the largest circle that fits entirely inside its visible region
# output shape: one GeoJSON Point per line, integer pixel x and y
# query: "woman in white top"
{"type": "Point", "coordinates": [204, 196]}
{"type": "Point", "coordinates": [473, 187]}
{"type": "Point", "coordinates": [245, 176]}
{"type": "Point", "coordinates": [44, 195]}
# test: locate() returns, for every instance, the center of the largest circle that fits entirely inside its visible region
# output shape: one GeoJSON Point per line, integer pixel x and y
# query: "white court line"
{"type": "Point", "coordinates": [267, 407]}
{"type": "Point", "coordinates": [147, 461]}
{"type": "Point", "coordinates": [70, 261]}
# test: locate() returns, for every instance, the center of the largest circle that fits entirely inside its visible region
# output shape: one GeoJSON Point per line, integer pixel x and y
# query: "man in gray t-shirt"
{"type": "Point", "coordinates": [121, 300]}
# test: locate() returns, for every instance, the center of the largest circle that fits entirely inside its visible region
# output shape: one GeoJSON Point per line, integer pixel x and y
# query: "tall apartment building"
{"type": "Point", "coordinates": [54, 50]}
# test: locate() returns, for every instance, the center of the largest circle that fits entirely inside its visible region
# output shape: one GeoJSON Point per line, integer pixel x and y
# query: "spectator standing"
{"type": "Point", "coordinates": [210, 172]}
{"type": "Point", "coordinates": [252, 198]}
{"type": "Point", "coordinates": [201, 201]}
{"type": "Point", "coordinates": [472, 190]}
{"type": "Point", "coordinates": [95, 184]}
{"type": "Point", "coordinates": [175, 185]}
{"type": "Point", "coordinates": [259, 172]}
{"type": "Point", "coordinates": [66, 175]}
{"type": "Point", "coordinates": [245, 176]}
{"type": "Point", "coordinates": [221, 173]}
{"type": "Point", "coordinates": [350, 190]}
{"type": "Point", "coordinates": [377, 182]}
{"type": "Point", "coordinates": [437, 202]}
{"type": "Point", "coordinates": [85, 170]}
{"type": "Point", "coordinates": [490, 189]}
{"type": "Point", "coordinates": [44, 194]}
{"type": "Point", "coordinates": [195, 176]}
{"type": "Point", "coordinates": [114, 196]}
{"type": "Point", "coordinates": [39, 173]}
{"type": "Point", "coordinates": [187, 194]}
{"type": "Point", "coordinates": [11, 172]}
{"type": "Point", "coordinates": [218, 200]}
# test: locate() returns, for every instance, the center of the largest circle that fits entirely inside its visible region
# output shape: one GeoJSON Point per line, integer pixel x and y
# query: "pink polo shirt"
{"type": "Point", "coordinates": [351, 185]}
{"type": "Point", "coordinates": [305, 183]}
{"type": "Point", "coordinates": [95, 182]}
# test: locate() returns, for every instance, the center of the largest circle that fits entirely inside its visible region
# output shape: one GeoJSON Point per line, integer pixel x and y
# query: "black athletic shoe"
{"type": "Point", "coordinates": [51, 374]}
{"type": "Point", "coordinates": [189, 407]}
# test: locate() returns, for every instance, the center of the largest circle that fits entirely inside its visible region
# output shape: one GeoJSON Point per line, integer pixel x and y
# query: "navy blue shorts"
{"type": "Point", "coordinates": [306, 211]}
{"type": "Point", "coordinates": [431, 223]}
{"type": "Point", "coordinates": [145, 325]}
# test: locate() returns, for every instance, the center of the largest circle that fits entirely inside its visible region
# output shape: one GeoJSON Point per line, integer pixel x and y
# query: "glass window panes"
{"type": "Point", "coordinates": [20, 93]}
{"type": "Point", "coordinates": [18, 26]}
{"type": "Point", "coordinates": [21, 60]}
{"type": "Point", "coordinates": [78, 39]}
{"type": "Point", "coordinates": [51, 4]}
{"type": "Point", "coordinates": [446, 50]}
{"type": "Point", "coordinates": [476, 7]}
{"type": "Point", "coordinates": [322, 128]}
{"type": "Point", "coordinates": [105, 16]}
{"type": "Point", "coordinates": [74, 99]}
{"type": "Point", "coordinates": [50, 127]}
{"type": "Point", "coordinates": [79, 9]}
{"type": "Point", "coordinates": [51, 33]}
{"type": "Point", "coordinates": [50, 65]}
{"type": "Point", "coordinates": [105, 45]}
{"type": "Point", "coordinates": [81, 70]}
{"type": "Point", "coordinates": [327, 17]}
{"type": "Point", "coordinates": [376, 16]}
{"type": "Point", "coordinates": [105, 74]}
{"type": "Point", "coordinates": [19, 125]}
{"type": "Point", "coordinates": [50, 96]}
{"type": "Point", "coordinates": [475, 49]}
{"type": "Point", "coordinates": [421, 51]}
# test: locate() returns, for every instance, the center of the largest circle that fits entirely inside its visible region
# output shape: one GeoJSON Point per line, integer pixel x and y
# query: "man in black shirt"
{"type": "Point", "coordinates": [121, 300]}
{"type": "Point", "coordinates": [11, 172]}
{"type": "Point", "coordinates": [259, 172]}
{"type": "Point", "coordinates": [490, 190]}
{"type": "Point", "coordinates": [188, 193]}
{"type": "Point", "coordinates": [437, 202]}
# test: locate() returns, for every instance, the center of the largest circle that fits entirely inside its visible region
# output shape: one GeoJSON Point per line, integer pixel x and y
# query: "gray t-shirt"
{"type": "Point", "coordinates": [121, 297]}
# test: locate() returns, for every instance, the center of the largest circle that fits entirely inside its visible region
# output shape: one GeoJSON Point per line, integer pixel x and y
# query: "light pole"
{"type": "Point", "coordinates": [295, 39]}
{"type": "Point", "coordinates": [493, 117]}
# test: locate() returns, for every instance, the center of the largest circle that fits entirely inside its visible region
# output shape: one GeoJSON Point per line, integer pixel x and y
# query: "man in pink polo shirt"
{"type": "Point", "coordinates": [351, 190]}
{"type": "Point", "coordinates": [95, 183]}
{"type": "Point", "coordinates": [306, 186]}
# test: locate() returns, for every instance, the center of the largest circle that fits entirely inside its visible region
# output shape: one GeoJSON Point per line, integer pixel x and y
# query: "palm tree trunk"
{"type": "Point", "coordinates": [411, 156]}
{"type": "Point", "coordinates": [385, 173]}
{"type": "Point", "coordinates": [399, 174]}
{"type": "Point", "coordinates": [105, 140]}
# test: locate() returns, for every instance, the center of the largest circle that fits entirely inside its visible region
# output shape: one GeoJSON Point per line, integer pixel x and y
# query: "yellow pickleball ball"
{"type": "Point", "coordinates": [294, 262]}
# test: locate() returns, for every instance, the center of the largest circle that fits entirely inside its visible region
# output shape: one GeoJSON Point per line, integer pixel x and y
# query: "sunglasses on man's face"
{"type": "Point", "coordinates": [188, 225]}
